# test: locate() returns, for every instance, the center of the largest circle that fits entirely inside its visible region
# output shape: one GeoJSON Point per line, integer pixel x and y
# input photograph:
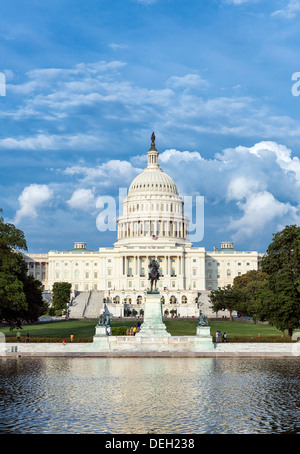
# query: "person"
{"type": "Point", "coordinates": [217, 336]}
{"type": "Point", "coordinates": [134, 330]}
{"type": "Point", "coordinates": [64, 341]}
{"type": "Point", "coordinates": [27, 338]}
{"type": "Point", "coordinates": [220, 336]}
{"type": "Point", "coordinates": [18, 336]}
{"type": "Point", "coordinates": [71, 337]}
{"type": "Point", "coordinates": [224, 337]}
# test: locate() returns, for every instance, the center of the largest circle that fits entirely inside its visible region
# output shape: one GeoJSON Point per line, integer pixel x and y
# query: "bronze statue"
{"type": "Point", "coordinates": [153, 138]}
{"type": "Point", "coordinates": [203, 320]}
{"type": "Point", "coordinates": [154, 274]}
{"type": "Point", "coordinates": [104, 320]}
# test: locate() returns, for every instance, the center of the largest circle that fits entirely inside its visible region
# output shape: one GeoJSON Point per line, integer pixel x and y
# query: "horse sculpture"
{"type": "Point", "coordinates": [154, 275]}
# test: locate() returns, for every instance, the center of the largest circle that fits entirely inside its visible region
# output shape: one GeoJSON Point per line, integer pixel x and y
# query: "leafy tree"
{"type": "Point", "coordinates": [251, 283]}
{"type": "Point", "coordinates": [20, 295]}
{"type": "Point", "coordinates": [226, 298]}
{"type": "Point", "coordinates": [61, 292]}
{"type": "Point", "coordinates": [280, 297]}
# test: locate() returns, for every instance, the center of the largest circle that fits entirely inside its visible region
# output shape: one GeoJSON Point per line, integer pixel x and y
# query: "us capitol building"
{"type": "Point", "coordinates": [153, 225]}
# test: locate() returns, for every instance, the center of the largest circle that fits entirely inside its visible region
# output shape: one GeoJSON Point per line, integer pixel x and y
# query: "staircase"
{"type": "Point", "coordinates": [87, 305]}
{"type": "Point", "coordinates": [95, 305]}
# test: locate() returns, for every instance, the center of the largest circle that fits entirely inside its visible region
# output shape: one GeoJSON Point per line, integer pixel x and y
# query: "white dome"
{"type": "Point", "coordinates": [152, 208]}
{"type": "Point", "coordinates": [154, 181]}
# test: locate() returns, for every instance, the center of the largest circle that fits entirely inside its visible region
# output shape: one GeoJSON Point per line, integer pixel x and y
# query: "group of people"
{"type": "Point", "coordinates": [133, 330]}
{"type": "Point", "coordinates": [220, 338]}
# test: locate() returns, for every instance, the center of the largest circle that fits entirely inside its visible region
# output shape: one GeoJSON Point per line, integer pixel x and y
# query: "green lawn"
{"type": "Point", "coordinates": [85, 329]}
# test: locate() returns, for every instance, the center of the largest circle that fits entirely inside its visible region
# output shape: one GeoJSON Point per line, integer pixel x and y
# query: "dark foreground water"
{"type": "Point", "coordinates": [149, 395]}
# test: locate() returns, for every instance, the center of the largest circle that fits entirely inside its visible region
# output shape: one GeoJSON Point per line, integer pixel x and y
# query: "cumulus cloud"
{"type": "Point", "coordinates": [251, 190]}
{"type": "Point", "coordinates": [259, 210]}
{"type": "Point", "coordinates": [31, 200]}
{"type": "Point", "coordinates": [82, 199]}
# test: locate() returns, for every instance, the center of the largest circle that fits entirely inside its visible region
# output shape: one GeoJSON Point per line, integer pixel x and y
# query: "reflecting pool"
{"type": "Point", "coordinates": [149, 395]}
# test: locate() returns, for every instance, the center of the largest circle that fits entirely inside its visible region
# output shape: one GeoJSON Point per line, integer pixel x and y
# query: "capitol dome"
{"type": "Point", "coordinates": [153, 179]}
{"type": "Point", "coordinates": [153, 208]}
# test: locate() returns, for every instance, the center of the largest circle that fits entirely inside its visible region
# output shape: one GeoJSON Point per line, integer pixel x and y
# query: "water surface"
{"type": "Point", "coordinates": [149, 395]}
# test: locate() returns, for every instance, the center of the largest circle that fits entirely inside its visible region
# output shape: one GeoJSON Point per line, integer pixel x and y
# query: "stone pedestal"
{"type": "Point", "coordinates": [101, 331]}
{"type": "Point", "coordinates": [153, 325]}
{"type": "Point", "coordinates": [203, 339]}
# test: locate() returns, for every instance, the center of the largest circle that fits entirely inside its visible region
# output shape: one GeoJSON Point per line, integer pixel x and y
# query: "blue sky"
{"type": "Point", "coordinates": [88, 81]}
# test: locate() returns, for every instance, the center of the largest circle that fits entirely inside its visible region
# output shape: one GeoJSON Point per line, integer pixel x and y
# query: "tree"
{"type": "Point", "coordinates": [20, 294]}
{"type": "Point", "coordinates": [61, 292]}
{"type": "Point", "coordinates": [250, 283]}
{"type": "Point", "coordinates": [226, 298]}
{"type": "Point", "coordinates": [280, 297]}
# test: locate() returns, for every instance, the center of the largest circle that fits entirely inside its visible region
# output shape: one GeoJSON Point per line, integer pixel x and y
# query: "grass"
{"type": "Point", "coordinates": [84, 330]}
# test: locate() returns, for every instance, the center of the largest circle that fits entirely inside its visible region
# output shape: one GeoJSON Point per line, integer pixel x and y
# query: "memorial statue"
{"type": "Point", "coordinates": [153, 138]}
{"type": "Point", "coordinates": [154, 275]}
{"type": "Point", "coordinates": [104, 320]}
{"type": "Point", "coordinates": [203, 320]}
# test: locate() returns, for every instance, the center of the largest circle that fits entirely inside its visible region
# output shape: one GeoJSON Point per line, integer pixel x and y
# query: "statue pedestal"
{"type": "Point", "coordinates": [101, 331]}
{"type": "Point", "coordinates": [153, 325]}
{"type": "Point", "coordinates": [203, 332]}
{"type": "Point", "coordinates": [203, 339]}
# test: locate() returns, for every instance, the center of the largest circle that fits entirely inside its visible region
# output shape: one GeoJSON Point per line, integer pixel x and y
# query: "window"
{"type": "Point", "coordinates": [87, 275]}
{"type": "Point", "coordinates": [95, 275]}
{"type": "Point", "coordinates": [194, 271]}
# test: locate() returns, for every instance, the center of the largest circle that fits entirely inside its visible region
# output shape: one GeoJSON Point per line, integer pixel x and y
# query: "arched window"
{"type": "Point", "coordinates": [139, 299]}
{"type": "Point", "coordinates": [184, 299]}
{"type": "Point", "coordinates": [173, 299]}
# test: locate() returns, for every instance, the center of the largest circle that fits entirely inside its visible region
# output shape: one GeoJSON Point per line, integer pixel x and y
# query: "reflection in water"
{"type": "Point", "coordinates": [149, 395]}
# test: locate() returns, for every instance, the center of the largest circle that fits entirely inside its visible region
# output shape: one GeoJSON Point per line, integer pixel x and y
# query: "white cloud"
{"type": "Point", "coordinates": [240, 2]}
{"type": "Point", "coordinates": [32, 198]}
{"type": "Point", "coordinates": [259, 210]}
{"type": "Point", "coordinates": [290, 10]}
{"type": "Point", "coordinates": [44, 141]}
{"type": "Point", "coordinates": [82, 199]}
{"type": "Point", "coordinates": [187, 81]}
{"type": "Point", "coordinates": [256, 188]}
{"type": "Point", "coordinates": [114, 173]}
{"type": "Point", "coordinates": [116, 46]}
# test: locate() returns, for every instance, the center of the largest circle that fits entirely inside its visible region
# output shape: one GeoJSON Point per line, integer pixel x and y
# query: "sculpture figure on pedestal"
{"type": "Point", "coordinates": [104, 320]}
{"type": "Point", "coordinates": [203, 320]}
{"type": "Point", "coordinates": [154, 275]}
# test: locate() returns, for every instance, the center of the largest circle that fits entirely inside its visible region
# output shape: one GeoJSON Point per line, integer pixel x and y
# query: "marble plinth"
{"type": "Point", "coordinates": [203, 339]}
{"type": "Point", "coordinates": [153, 325]}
